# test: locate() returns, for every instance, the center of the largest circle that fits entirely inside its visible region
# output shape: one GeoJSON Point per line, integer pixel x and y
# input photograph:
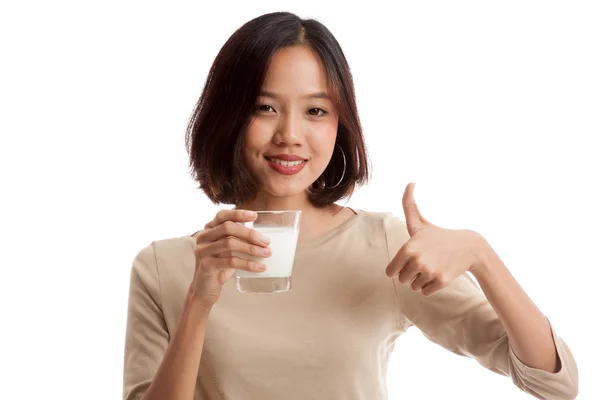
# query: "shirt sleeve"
{"type": "Point", "coordinates": [146, 337]}
{"type": "Point", "coordinates": [461, 319]}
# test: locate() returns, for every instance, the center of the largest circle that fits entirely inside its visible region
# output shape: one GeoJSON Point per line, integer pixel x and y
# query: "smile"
{"type": "Point", "coordinates": [286, 167]}
{"type": "Point", "coordinates": [286, 163]}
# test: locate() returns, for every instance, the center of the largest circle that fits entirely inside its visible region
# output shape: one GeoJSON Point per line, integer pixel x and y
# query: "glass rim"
{"type": "Point", "coordinates": [278, 211]}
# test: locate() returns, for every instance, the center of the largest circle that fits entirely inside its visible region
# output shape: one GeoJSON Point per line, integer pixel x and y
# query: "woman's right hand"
{"type": "Point", "coordinates": [215, 263]}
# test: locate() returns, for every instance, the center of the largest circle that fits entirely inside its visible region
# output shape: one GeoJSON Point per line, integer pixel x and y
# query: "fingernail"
{"type": "Point", "coordinates": [265, 251]}
{"type": "Point", "coordinates": [260, 267]}
{"type": "Point", "coordinates": [250, 214]}
{"type": "Point", "coordinates": [264, 239]}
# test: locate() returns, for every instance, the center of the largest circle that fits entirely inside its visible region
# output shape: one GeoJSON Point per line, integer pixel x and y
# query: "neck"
{"type": "Point", "coordinates": [264, 202]}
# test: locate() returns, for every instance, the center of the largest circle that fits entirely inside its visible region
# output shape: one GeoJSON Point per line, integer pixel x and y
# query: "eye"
{"type": "Point", "coordinates": [315, 112]}
{"type": "Point", "coordinates": [264, 108]}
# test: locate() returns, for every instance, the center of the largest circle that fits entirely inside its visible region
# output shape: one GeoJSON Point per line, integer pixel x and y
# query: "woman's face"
{"type": "Point", "coordinates": [294, 116]}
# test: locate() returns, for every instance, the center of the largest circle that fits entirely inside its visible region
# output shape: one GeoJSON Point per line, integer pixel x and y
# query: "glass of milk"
{"type": "Point", "coordinates": [282, 227]}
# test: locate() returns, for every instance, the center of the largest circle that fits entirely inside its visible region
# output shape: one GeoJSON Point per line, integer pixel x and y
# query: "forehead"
{"type": "Point", "coordinates": [295, 71]}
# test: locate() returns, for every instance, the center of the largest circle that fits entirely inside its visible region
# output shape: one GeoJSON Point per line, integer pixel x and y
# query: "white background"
{"type": "Point", "coordinates": [491, 107]}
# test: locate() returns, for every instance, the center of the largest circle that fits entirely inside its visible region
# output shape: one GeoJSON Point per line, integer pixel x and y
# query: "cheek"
{"type": "Point", "coordinates": [325, 135]}
{"type": "Point", "coordinates": [255, 135]}
{"type": "Point", "coordinates": [256, 138]}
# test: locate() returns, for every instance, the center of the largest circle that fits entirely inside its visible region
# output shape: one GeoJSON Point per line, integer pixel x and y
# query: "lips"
{"type": "Point", "coordinates": [285, 167]}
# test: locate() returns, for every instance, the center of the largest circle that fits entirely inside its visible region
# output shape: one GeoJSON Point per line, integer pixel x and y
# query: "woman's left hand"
{"type": "Point", "coordinates": [433, 257]}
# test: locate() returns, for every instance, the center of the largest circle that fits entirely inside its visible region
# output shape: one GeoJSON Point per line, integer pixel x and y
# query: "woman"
{"type": "Point", "coordinates": [277, 128]}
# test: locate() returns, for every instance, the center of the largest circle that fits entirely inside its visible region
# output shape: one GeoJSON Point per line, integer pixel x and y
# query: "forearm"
{"type": "Point", "coordinates": [178, 371]}
{"type": "Point", "coordinates": [528, 329]}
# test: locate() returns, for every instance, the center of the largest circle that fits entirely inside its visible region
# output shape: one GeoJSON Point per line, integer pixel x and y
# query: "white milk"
{"type": "Point", "coordinates": [283, 249]}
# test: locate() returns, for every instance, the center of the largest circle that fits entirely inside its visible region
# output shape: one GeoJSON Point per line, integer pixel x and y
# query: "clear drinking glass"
{"type": "Point", "coordinates": [282, 227]}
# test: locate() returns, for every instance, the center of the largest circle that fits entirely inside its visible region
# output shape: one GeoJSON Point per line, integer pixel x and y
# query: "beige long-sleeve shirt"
{"type": "Point", "coordinates": [331, 336]}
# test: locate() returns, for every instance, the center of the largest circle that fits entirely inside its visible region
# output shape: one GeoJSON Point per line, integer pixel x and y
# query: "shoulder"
{"type": "Point", "coordinates": [392, 227]}
{"type": "Point", "coordinates": [160, 254]}
{"type": "Point", "coordinates": [386, 219]}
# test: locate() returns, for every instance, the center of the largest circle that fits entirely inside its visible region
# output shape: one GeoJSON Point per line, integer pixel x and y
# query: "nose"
{"type": "Point", "coordinates": [289, 131]}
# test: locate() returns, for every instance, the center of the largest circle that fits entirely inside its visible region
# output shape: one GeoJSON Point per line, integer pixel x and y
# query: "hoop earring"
{"type": "Point", "coordinates": [343, 171]}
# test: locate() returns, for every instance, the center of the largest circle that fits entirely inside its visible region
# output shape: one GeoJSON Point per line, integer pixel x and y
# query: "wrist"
{"type": "Point", "coordinates": [197, 302]}
{"type": "Point", "coordinates": [483, 254]}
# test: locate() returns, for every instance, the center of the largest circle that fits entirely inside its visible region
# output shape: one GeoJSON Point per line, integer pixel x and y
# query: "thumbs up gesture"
{"type": "Point", "coordinates": [433, 257]}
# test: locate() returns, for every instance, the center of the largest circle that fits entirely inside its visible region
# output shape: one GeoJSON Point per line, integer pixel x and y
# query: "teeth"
{"type": "Point", "coordinates": [286, 163]}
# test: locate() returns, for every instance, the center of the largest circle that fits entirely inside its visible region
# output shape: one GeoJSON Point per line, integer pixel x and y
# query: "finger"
{"type": "Point", "coordinates": [414, 220]}
{"type": "Point", "coordinates": [230, 228]}
{"type": "Point", "coordinates": [231, 215]}
{"type": "Point", "coordinates": [408, 273]}
{"type": "Point", "coordinates": [420, 281]}
{"type": "Point", "coordinates": [236, 263]}
{"type": "Point", "coordinates": [432, 287]}
{"type": "Point", "coordinates": [400, 260]}
{"type": "Point", "coordinates": [231, 244]}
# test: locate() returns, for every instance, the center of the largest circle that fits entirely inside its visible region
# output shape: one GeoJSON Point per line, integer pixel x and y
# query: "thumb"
{"type": "Point", "coordinates": [414, 220]}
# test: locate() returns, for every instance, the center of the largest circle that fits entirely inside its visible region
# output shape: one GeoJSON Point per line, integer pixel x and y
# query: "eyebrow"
{"type": "Point", "coordinates": [316, 95]}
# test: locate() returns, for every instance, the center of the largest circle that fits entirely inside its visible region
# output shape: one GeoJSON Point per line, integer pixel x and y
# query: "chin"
{"type": "Point", "coordinates": [291, 190]}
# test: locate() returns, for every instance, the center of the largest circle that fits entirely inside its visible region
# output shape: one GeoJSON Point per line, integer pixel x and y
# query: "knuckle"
{"type": "Point", "coordinates": [228, 226]}
{"type": "Point", "coordinates": [254, 250]}
{"type": "Point", "coordinates": [198, 251]}
{"type": "Point", "coordinates": [200, 236]}
{"type": "Point", "coordinates": [220, 217]}
{"type": "Point", "coordinates": [250, 266]}
{"type": "Point", "coordinates": [410, 247]}
{"type": "Point", "coordinates": [418, 258]}
{"type": "Point", "coordinates": [443, 280]}
{"type": "Point", "coordinates": [405, 251]}
{"type": "Point", "coordinates": [430, 276]}
{"type": "Point", "coordinates": [229, 243]}
{"type": "Point", "coordinates": [426, 269]}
